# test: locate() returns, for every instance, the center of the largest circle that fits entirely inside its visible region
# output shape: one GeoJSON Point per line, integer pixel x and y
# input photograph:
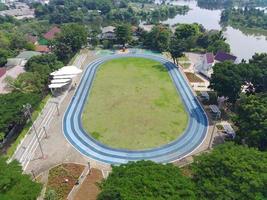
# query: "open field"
{"type": "Point", "coordinates": [133, 104]}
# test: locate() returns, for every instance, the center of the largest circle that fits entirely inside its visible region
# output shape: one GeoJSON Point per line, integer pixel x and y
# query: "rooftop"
{"type": "Point", "coordinates": [108, 29]}
{"type": "Point", "coordinates": [209, 57]}
{"type": "Point", "coordinates": [28, 54]}
{"type": "Point", "coordinates": [51, 34]}
{"type": "Point", "coordinates": [222, 56]}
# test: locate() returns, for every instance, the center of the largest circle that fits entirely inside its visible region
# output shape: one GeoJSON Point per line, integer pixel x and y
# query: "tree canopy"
{"type": "Point", "coordinates": [11, 106]}
{"type": "Point", "coordinates": [123, 33]}
{"type": "Point", "coordinates": [251, 121]}
{"type": "Point", "coordinates": [14, 184]}
{"type": "Point", "coordinates": [146, 180]}
{"type": "Point", "coordinates": [231, 172]}
{"type": "Point", "coordinates": [71, 39]}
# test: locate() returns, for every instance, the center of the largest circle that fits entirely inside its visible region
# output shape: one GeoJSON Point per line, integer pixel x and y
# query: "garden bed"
{"type": "Point", "coordinates": [193, 78]}
{"type": "Point", "coordinates": [62, 178]}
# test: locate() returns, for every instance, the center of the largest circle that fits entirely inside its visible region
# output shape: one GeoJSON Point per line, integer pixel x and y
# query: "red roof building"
{"type": "Point", "coordinates": [51, 34]}
{"type": "Point", "coordinates": [42, 48]}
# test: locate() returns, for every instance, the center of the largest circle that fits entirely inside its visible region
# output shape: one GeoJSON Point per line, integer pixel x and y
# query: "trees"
{"type": "Point", "coordinates": [251, 121]}
{"type": "Point", "coordinates": [176, 49]}
{"type": "Point", "coordinates": [26, 82]}
{"type": "Point", "coordinates": [146, 180]}
{"type": "Point", "coordinates": [189, 33]}
{"type": "Point", "coordinates": [71, 39]}
{"type": "Point", "coordinates": [14, 184]}
{"type": "Point", "coordinates": [158, 38]}
{"type": "Point", "coordinates": [43, 65]}
{"type": "Point", "coordinates": [226, 80]}
{"type": "Point", "coordinates": [231, 172]}
{"type": "Point", "coordinates": [11, 105]}
{"type": "Point", "coordinates": [123, 33]}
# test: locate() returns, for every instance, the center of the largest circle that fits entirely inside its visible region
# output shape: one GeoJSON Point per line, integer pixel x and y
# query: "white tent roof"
{"type": "Point", "coordinates": [67, 70]}
{"type": "Point", "coordinates": [57, 85]}
{"type": "Point", "coordinates": [61, 80]}
{"type": "Point", "coordinates": [63, 76]}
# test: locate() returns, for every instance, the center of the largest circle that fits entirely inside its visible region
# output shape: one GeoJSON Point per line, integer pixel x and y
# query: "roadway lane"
{"type": "Point", "coordinates": [192, 137]}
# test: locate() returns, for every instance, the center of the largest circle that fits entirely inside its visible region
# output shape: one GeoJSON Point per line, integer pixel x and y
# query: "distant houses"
{"type": "Point", "coordinates": [108, 33]}
{"type": "Point", "coordinates": [209, 60]}
{"type": "Point", "coordinates": [20, 11]}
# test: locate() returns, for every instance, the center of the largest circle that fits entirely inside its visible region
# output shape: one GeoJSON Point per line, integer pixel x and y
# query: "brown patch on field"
{"type": "Point", "coordinates": [193, 78]}
{"type": "Point", "coordinates": [57, 179]}
{"type": "Point", "coordinates": [89, 189]}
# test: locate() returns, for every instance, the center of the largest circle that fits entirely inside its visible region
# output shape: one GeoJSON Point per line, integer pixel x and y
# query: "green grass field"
{"type": "Point", "coordinates": [133, 105]}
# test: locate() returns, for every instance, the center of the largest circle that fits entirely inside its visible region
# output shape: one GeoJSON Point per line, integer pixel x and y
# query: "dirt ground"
{"type": "Point", "coordinates": [62, 179]}
{"type": "Point", "coordinates": [89, 189]}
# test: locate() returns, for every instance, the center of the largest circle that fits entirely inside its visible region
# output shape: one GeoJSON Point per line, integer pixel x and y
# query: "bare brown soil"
{"type": "Point", "coordinates": [193, 78]}
{"type": "Point", "coordinates": [62, 178]}
{"type": "Point", "coordinates": [89, 188]}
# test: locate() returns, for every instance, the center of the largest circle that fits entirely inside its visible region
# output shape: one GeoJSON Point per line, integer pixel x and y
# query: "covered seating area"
{"type": "Point", "coordinates": [215, 111]}
{"type": "Point", "coordinates": [62, 78]}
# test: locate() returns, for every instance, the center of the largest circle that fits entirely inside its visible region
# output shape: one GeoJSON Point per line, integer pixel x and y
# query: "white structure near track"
{"type": "Point", "coordinates": [63, 77]}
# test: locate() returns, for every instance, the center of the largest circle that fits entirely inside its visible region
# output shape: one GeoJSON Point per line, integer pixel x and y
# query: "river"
{"type": "Point", "coordinates": [243, 45]}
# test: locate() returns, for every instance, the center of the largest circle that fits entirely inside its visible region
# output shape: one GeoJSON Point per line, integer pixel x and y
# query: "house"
{"type": "Point", "coordinates": [208, 61]}
{"type": "Point", "coordinates": [19, 13]}
{"type": "Point", "coordinates": [12, 62]}
{"type": "Point", "coordinates": [51, 34]}
{"type": "Point", "coordinates": [26, 55]}
{"type": "Point", "coordinates": [108, 33]}
{"type": "Point", "coordinates": [42, 49]}
{"type": "Point", "coordinates": [222, 56]}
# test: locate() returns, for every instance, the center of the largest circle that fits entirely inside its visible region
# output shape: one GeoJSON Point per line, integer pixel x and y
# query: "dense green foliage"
{"type": "Point", "coordinates": [245, 18]}
{"type": "Point", "coordinates": [103, 12]}
{"type": "Point", "coordinates": [216, 4]}
{"type": "Point", "coordinates": [146, 180]}
{"type": "Point", "coordinates": [69, 41]}
{"type": "Point", "coordinates": [14, 184]}
{"type": "Point", "coordinates": [42, 66]}
{"type": "Point", "coordinates": [123, 33]}
{"type": "Point", "coordinates": [229, 78]}
{"type": "Point", "coordinates": [158, 38]}
{"type": "Point", "coordinates": [251, 121]}
{"type": "Point", "coordinates": [11, 106]}
{"type": "Point", "coordinates": [231, 172]}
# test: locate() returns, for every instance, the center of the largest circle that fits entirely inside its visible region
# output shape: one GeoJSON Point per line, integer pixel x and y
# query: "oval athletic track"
{"type": "Point", "coordinates": [192, 137]}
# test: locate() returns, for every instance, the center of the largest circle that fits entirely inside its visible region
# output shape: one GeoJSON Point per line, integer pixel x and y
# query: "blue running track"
{"type": "Point", "coordinates": [192, 137]}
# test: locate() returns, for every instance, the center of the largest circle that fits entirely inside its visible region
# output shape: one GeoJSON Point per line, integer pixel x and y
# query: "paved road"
{"type": "Point", "coordinates": [193, 136]}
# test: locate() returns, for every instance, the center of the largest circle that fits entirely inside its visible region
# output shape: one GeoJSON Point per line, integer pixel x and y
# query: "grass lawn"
{"type": "Point", "coordinates": [134, 105]}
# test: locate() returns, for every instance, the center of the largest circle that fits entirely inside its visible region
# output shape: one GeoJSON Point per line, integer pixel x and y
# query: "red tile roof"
{"type": "Point", "coordinates": [42, 48]}
{"type": "Point", "coordinates": [2, 71]}
{"type": "Point", "coordinates": [51, 34]}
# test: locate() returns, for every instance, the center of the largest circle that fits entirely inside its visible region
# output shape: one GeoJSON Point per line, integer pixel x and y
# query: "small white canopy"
{"type": "Point", "coordinates": [61, 80]}
{"type": "Point", "coordinates": [57, 85]}
{"type": "Point", "coordinates": [64, 76]}
{"type": "Point", "coordinates": [67, 70]}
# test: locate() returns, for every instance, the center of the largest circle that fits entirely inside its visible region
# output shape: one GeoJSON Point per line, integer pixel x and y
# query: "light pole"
{"type": "Point", "coordinates": [27, 113]}
{"type": "Point", "coordinates": [56, 107]}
